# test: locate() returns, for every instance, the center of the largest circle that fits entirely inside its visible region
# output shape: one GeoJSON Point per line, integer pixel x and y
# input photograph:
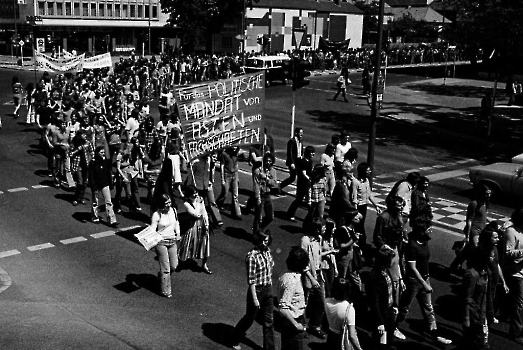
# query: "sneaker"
{"type": "Point", "coordinates": [495, 320]}
{"type": "Point", "coordinates": [75, 203]}
{"type": "Point", "coordinates": [399, 335]}
{"type": "Point", "coordinates": [444, 341]}
{"type": "Point", "coordinates": [292, 218]}
{"type": "Point", "coordinates": [236, 347]}
{"type": "Point", "coordinates": [115, 224]}
{"type": "Point", "coordinates": [96, 221]}
{"type": "Point", "coordinates": [219, 223]}
{"type": "Point", "coordinates": [167, 295]}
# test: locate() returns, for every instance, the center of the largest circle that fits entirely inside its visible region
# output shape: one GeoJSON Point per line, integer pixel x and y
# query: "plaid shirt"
{"type": "Point", "coordinates": [82, 157]}
{"type": "Point", "coordinates": [318, 191]}
{"type": "Point", "coordinates": [259, 267]}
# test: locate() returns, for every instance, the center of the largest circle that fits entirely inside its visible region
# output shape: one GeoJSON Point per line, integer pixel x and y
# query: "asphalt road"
{"type": "Point", "coordinates": [77, 285]}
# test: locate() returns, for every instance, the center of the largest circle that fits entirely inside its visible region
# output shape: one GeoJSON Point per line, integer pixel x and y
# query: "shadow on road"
{"type": "Point", "coordinates": [238, 233]}
{"type": "Point", "coordinates": [134, 282]}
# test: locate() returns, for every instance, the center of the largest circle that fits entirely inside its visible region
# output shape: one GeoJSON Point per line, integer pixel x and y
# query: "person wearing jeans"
{"type": "Point", "coordinates": [165, 221]}
{"type": "Point", "coordinates": [230, 180]}
{"type": "Point", "coordinates": [100, 180]}
{"type": "Point", "coordinates": [264, 179]}
{"type": "Point", "coordinates": [259, 265]}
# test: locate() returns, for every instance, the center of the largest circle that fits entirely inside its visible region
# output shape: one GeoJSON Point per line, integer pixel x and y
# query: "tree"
{"type": "Point", "coordinates": [201, 18]}
{"type": "Point", "coordinates": [412, 30]}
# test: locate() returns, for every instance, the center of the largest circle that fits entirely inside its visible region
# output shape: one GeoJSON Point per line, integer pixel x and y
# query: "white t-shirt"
{"type": "Point", "coordinates": [336, 310]}
{"type": "Point", "coordinates": [341, 150]}
{"type": "Point", "coordinates": [132, 126]}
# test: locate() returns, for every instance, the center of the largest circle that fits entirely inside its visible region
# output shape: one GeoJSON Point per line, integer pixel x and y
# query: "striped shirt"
{"type": "Point", "coordinates": [259, 267]}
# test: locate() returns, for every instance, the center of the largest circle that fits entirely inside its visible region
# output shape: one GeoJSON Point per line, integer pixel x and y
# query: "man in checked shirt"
{"type": "Point", "coordinates": [259, 264]}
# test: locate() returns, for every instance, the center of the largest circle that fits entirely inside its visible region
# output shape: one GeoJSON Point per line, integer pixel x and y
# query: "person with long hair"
{"type": "Point", "coordinates": [165, 222]}
{"type": "Point", "coordinates": [260, 264]}
{"type": "Point", "coordinates": [421, 206]}
{"type": "Point", "coordinates": [340, 313]}
{"type": "Point", "coordinates": [327, 160]}
{"type": "Point", "coordinates": [329, 268]}
{"type": "Point", "coordinates": [264, 179]}
{"type": "Point", "coordinates": [195, 243]}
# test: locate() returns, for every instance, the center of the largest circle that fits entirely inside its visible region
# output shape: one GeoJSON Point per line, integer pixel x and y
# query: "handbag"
{"type": "Point", "coordinates": [345, 343]}
{"type": "Point", "coordinates": [148, 237]}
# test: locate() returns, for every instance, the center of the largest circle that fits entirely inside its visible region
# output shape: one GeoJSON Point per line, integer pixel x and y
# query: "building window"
{"type": "Point", "coordinates": [59, 8]}
{"type": "Point", "coordinates": [77, 9]}
{"type": "Point", "coordinates": [124, 11]}
{"type": "Point", "coordinates": [41, 8]}
{"type": "Point", "coordinates": [101, 12]}
{"type": "Point", "coordinates": [133, 11]}
{"type": "Point", "coordinates": [68, 9]}
{"type": "Point", "coordinates": [85, 10]}
{"type": "Point", "coordinates": [155, 11]}
{"type": "Point", "coordinates": [109, 10]}
{"type": "Point", "coordinates": [50, 8]}
{"type": "Point", "coordinates": [147, 11]}
{"type": "Point", "coordinates": [226, 41]}
{"type": "Point", "coordinates": [140, 11]}
{"type": "Point", "coordinates": [117, 10]}
{"type": "Point", "coordinates": [93, 10]}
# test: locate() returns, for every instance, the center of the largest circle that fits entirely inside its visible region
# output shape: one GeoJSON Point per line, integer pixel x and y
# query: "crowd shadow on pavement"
{"type": "Point", "coordinates": [442, 273]}
{"type": "Point", "coordinates": [418, 336]}
{"type": "Point", "coordinates": [455, 90]}
{"type": "Point", "coordinates": [238, 233]}
{"type": "Point", "coordinates": [134, 282]}
{"type": "Point", "coordinates": [221, 333]}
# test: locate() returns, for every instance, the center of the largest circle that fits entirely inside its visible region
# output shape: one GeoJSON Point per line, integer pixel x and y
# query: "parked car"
{"type": "Point", "coordinates": [518, 159]}
{"type": "Point", "coordinates": [277, 68]}
{"type": "Point", "coordinates": [504, 179]}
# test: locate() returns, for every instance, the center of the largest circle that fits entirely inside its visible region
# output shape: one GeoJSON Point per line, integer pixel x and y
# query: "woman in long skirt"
{"type": "Point", "coordinates": [195, 240]}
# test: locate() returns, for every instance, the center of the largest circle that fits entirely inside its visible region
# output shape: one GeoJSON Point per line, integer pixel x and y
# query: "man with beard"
{"type": "Point", "coordinates": [417, 282]}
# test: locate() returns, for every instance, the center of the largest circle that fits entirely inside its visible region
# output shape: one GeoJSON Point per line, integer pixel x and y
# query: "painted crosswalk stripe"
{"type": "Point", "coordinates": [9, 253]}
{"type": "Point", "coordinates": [73, 240]}
{"type": "Point", "coordinates": [19, 189]}
{"type": "Point", "coordinates": [40, 186]}
{"type": "Point", "coordinates": [1, 192]}
{"type": "Point", "coordinates": [129, 228]}
{"type": "Point", "coordinates": [40, 247]}
{"type": "Point", "coordinates": [103, 234]}
{"type": "Point", "coordinates": [447, 175]}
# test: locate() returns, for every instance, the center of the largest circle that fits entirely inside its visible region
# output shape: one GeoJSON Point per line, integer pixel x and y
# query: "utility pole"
{"type": "Point", "coordinates": [374, 113]}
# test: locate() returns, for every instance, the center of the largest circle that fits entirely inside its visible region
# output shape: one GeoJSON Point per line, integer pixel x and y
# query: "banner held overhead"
{"type": "Point", "coordinates": [223, 113]}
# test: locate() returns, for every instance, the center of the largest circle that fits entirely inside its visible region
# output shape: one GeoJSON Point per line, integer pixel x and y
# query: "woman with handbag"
{"type": "Point", "coordinates": [165, 222]}
{"type": "Point", "coordinates": [341, 317]}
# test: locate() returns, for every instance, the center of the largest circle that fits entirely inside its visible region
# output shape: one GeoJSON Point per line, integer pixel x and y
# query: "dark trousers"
{"type": "Point", "coordinates": [264, 209]}
{"type": "Point", "coordinates": [81, 184]}
{"type": "Point", "coordinates": [301, 192]}
{"type": "Point", "coordinates": [291, 338]}
{"type": "Point", "coordinates": [289, 180]}
{"type": "Point", "coordinates": [265, 297]}
{"type": "Point", "coordinates": [516, 309]}
{"type": "Point", "coordinates": [316, 303]}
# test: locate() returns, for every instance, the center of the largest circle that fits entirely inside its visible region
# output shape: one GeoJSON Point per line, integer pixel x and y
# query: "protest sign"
{"type": "Point", "coordinates": [98, 61]}
{"type": "Point", "coordinates": [219, 114]}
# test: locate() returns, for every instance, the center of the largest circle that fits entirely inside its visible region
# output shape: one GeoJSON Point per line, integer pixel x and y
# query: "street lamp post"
{"type": "Point", "coordinates": [149, 38]}
{"type": "Point", "coordinates": [374, 113]}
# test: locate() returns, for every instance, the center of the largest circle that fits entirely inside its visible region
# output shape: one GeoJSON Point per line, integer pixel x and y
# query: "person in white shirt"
{"type": "Point", "coordinates": [341, 148]}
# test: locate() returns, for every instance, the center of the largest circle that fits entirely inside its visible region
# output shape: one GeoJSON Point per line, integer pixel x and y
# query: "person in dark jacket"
{"type": "Point", "coordinates": [100, 181]}
{"type": "Point", "coordinates": [294, 154]}
{"type": "Point", "coordinates": [381, 291]}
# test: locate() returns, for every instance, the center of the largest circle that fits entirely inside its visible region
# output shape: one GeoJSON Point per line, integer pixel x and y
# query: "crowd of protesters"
{"type": "Point", "coordinates": [97, 131]}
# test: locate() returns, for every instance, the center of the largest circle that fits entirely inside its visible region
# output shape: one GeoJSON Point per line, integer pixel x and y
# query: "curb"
{"type": "Point", "coordinates": [5, 280]}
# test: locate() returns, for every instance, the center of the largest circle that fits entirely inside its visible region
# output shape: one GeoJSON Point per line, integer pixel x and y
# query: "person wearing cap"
{"type": "Point", "coordinates": [259, 264]}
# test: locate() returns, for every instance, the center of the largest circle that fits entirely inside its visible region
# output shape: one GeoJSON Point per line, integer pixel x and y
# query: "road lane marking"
{"type": "Point", "coordinates": [447, 175]}
{"type": "Point", "coordinates": [9, 253]}
{"type": "Point", "coordinates": [103, 234]}
{"type": "Point", "coordinates": [40, 247]}
{"type": "Point", "coordinates": [40, 186]}
{"type": "Point", "coordinates": [73, 240]}
{"type": "Point", "coordinates": [19, 189]}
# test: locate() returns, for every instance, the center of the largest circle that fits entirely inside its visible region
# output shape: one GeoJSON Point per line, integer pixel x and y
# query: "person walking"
{"type": "Point", "coordinates": [100, 179]}
{"type": "Point", "coordinates": [417, 283]}
{"type": "Point", "coordinates": [195, 243]}
{"type": "Point", "coordinates": [304, 172]}
{"type": "Point", "coordinates": [81, 154]}
{"type": "Point", "coordinates": [18, 91]}
{"type": "Point", "coordinates": [341, 316]}
{"type": "Point", "coordinates": [230, 180]}
{"type": "Point", "coordinates": [341, 84]}
{"type": "Point", "coordinates": [513, 262]}
{"type": "Point", "coordinates": [341, 203]}
{"type": "Point", "coordinates": [264, 179]}
{"type": "Point", "coordinates": [165, 222]}
{"type": "Point", "coordinates": [294, 154]}
{"type": "Point", "coordinates": [291, 300]}
{"type": "Point", "coordinates": [260, 264]}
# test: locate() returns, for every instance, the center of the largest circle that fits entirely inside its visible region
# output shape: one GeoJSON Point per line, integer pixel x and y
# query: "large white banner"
{"type": "Point", "coordinates": [98, 61]}
{"type": "Point", "coordinates": [62, 65]}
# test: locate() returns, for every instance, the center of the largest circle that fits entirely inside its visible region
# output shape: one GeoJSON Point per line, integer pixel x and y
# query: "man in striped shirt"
{"type": "Point", "coordinates": [259, 265]}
